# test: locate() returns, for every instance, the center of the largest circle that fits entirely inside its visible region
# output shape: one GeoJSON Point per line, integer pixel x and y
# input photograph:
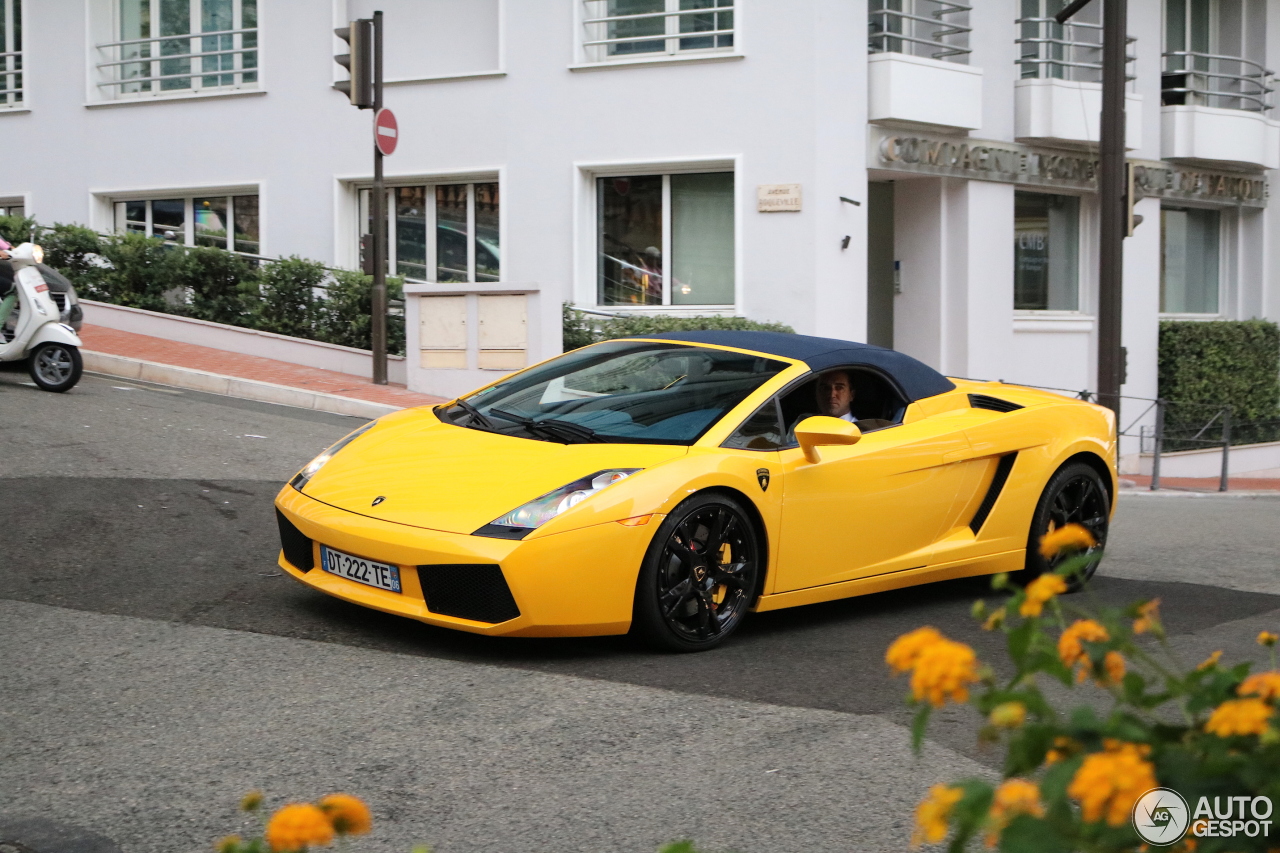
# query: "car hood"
{"type": "Point", "coordinates": [449, 478]}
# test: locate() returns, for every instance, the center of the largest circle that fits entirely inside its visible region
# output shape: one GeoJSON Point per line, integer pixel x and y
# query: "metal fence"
{"type": "Point", "coordinates": [1232, 82]}
{"type": "Point", "coordinates": [180, 63]}
{"type": "Point", "coordinates": [1070, 51]}
{"type": "Point", "coordinates": [935, 29]}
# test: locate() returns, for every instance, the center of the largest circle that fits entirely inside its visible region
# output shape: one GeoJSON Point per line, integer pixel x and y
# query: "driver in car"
{"type": "Point", "coordinates": [835, 394]}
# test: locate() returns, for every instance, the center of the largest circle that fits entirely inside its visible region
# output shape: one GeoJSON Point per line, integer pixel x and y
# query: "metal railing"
{"type": "Point", "coordinates": [1070, 51]}
{"type": "Point", "coordinates": [227, 59]}
{"type": "Point", "coordinates": [11, 76]}
{"type": "Point", "coordinates": [708, 27]}
{"type": "Point", "coordinates": [1211, 80]}
{"type": "Point", "coordinates": [936, 29]}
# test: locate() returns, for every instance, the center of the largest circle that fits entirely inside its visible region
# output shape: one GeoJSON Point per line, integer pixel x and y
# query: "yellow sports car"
{"type": "Point", "coordinates": [668, 485]}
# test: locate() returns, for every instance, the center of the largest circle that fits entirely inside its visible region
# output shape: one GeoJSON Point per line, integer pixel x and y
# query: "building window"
{"type": "Point", "coordinates": [665, 239]}
{"type": "Point", "coordinates": [180, 46]}
{"type": "Point", "coordinates": [620, 29]}
{"type": "Point", "coordinates": [1213, 57]}
{"type": "Point", "coordinates": [1046, 252]}
{"type": "Point", "coordinates": [462, 221]}
{"type": "Point", "coordinates": [10, 54]}
{"type": "Point", "coordinates": [12, 208]}
{"type": "Point", "coordinates": [936, 29]}
{"type": "Point", "coordinates": [223, 221]}
{"type": "Point", "coordinates": [1188, 260]}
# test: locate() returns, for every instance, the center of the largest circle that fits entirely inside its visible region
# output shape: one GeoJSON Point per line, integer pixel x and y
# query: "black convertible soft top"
{"type": "Point", "coordinates": [915, 378]}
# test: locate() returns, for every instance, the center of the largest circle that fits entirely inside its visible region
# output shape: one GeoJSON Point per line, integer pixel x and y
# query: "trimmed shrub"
{"type": "Point", "coordinates": [140, 270]}
{"type": "Point", "coordinates": [221, 286]}
{"type": "Point", "coordinates": [1205, 366]}
{"type": "Point", "coordinates": [580, 331]}
{"type": "Point", "coordinates": [288, 304]}
{"type": "Point", "coordinates": [74, 251]}
{"type": "Point", "coordinates": [16, 229]}
{"type": "Point", "coordinates": [345, 313]}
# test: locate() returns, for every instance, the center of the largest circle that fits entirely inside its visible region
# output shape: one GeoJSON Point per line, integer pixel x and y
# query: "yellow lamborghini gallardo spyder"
{"type": "Point", "coordinates": [668, 485]}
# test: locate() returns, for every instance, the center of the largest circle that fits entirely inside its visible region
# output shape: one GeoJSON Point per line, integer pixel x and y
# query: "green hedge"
{"type": "Point", "coordinates": [291, 296]}
{"type": "Point", "coordinates": [582, 329]}
{"type": "Point", "coordinates": [1205, 366]}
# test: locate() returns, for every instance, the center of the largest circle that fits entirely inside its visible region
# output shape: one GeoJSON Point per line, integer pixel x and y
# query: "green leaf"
{"type": "Point", "coordinates": [1027, 834]}
{"type": "Point", "coordinates": [1020, 642]}
{"type": "Point", "coordinates": [918, 726]}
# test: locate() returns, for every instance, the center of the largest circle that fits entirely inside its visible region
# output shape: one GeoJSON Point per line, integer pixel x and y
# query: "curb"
{"type": "Point", "coordinates": [1180, 493]}
{"type": "Point", "coordinates": [231, 386]}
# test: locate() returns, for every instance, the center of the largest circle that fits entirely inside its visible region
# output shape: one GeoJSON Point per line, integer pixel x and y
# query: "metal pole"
{"type": "Point", "coordinates": [1111, 196]}
{"type": "Point", "coordinates": [378, 308]}
{"type": "Point", "coordinates": [1226, 447]}
{"type": "Point", "coordinates": [1159, 442]}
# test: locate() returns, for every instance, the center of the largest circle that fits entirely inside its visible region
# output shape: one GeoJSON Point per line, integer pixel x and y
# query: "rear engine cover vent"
{"type": "Point", "coordinates": [995, 404]}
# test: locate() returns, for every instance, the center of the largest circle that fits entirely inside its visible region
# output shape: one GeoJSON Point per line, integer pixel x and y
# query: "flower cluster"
{"type": "Point", "coordinates": [297, 827]}
{"type": "Point", "coordinates": [1073, 776]}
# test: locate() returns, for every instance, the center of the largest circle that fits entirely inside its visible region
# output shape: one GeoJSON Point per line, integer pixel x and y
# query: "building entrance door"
{"type": "Point", "coordinates": [880, 261]}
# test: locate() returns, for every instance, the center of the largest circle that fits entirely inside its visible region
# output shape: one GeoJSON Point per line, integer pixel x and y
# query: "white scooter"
{"type": "Point", "coordinates": [34, 329]}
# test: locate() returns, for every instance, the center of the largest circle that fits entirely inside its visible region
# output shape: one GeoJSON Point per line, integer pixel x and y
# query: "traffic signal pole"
{"type": "Point", "coordinates": [378, 308]}
{"type": "Point", "coordinates": [1112, 197]}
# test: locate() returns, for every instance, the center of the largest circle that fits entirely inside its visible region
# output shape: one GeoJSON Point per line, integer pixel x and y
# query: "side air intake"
{"type": "Point", "coordinates": [995, 404]}
{"type": "Point", "coordinates": [1003, 467]}
{"type": "Point", "coordinates": [295, 544]}
{"type": "Point", "coordinates": [478, 592]}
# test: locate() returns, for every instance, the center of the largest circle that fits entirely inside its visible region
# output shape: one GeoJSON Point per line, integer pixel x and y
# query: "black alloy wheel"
{"type": "Point", "coordinates": [1074, 495]}
{"type": "Point", "coordinates": [55, 367]}
{"type": "Point", "coordinates": [699, 576]}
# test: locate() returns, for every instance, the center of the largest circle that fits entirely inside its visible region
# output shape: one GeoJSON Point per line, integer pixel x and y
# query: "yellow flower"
{"type": "Point", "coordinates": [228, 845]}
{"type": "Point", "coordinates": [349, 815]}
{"type": "Point", "coordinates": [1266, 638]}
{"type": "Point", "coordinates": [1008, 715]}
{"type": "Point", "coordinates": [995, 620]}
{"type": "Point", "coordinates": [1265, 685]}
{"type": "Point", "coordinates": [1148, 617]}
{"type": "Point", "coordinates": [1063, 747]}
{"type": "Point", "coordinates": [933, 813]}
{"type": "Point", "coordinates": [1113, 666]}
{"type": "Point", "coordinates": [1072, 537]}
{"type": "Point", "coordinates": [1071, 648]}
{"type": "Point", "coordinates": [1040, 591]}
{"type": "Point", "coordinates": [298, 826]}
{"type": "Point", "coordinates": [1109, 783]}
{"type": "Point", "coordinates": [1239, 717]}
{"type": "Point", "coordinates": [251, 801]}
{"type": "Point", "coordinates": [943, 671]}
{"type": "Point", "coordinates": [1012, 798]}
{"type": "Point", "coordinates": [905, 650]}
{"type": "Point", "coordinates": [1210, 661]}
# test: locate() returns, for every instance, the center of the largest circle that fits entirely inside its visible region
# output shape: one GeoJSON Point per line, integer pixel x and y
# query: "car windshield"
{"type": "Point", "coordinates": [620, 391]}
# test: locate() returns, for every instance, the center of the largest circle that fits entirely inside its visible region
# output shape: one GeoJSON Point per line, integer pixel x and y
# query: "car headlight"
{"type": "Point", "coordinates": [539, 511]}
{"type": "Point", "coordinates": [37, 254]}
{"type": "Point", "coordinates": [304, 476]}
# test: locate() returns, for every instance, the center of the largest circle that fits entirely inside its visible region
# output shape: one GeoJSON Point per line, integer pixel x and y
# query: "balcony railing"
{"type": "Point", "coordinates": [936, 29]}
{"type": "Point", "coordinates": [1207, 79]}
{"type": "Point", "coordinates": [689, 25]}
{"type": "Point", "coordinates": [176, 64]}
{"type": "Point", "coordinates": [1070, 51]}
{"type": "Point", "coordinates": [11, 75]}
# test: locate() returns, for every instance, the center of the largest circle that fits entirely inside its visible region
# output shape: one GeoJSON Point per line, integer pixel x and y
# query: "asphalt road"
{"type": "Point", "coordinates": [154, 665]}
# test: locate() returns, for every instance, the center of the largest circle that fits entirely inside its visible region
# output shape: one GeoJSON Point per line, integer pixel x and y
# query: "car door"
{"type": "Point", "coordinates": [871, 508]}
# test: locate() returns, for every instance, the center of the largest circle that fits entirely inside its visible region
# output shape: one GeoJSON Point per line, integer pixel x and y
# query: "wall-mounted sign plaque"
{"type": "Point", "coordinates": [778, 198]}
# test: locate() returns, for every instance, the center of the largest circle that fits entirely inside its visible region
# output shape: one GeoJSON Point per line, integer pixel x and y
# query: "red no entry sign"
{"type": "Point", "coordinates": [386, 133]}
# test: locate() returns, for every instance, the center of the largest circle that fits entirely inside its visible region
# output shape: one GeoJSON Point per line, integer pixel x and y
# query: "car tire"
{"type": "Point", "coordinates": [691, 594]}
{"type": "Point", "coordinates": [1075, 494]}
{"type": "Point", "coordinates": [55, 367]}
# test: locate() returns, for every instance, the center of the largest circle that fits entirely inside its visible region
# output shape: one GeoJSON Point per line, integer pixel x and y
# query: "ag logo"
{"type": "Point", "coordinates": [379, 499]}
{"type": "Point", "coordinates": [762, 476]}
{"type": "Point", "coordinates": [1161, 816]}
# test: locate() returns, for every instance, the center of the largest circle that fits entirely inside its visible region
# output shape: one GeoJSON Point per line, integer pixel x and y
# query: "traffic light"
{"type": "Point", "coordinates": [1132, 220]}
{"type": "Point", "coordinates": [359, 62]}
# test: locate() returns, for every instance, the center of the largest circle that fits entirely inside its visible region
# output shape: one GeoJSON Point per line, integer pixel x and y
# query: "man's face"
{"type": "Point", "coordinates": [834, 394]}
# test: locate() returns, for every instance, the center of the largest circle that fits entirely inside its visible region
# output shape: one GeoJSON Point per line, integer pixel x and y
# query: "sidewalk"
{"type": "Point", "coordinates": [1208, 485]}
{"type": "Point", "coordinates": [199, 368]}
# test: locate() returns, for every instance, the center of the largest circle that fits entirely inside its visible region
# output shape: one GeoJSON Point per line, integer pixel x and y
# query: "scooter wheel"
{"type": "Point", "coordinates": [55, 367]}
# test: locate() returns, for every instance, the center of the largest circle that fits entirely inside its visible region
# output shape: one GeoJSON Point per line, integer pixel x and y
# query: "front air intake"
{"type": "Point", "coordinates": [295, 544]}
{"type": "Point", "coordinates": [995, 404]}
{"type": "Point", "coordinates": [476, 592]}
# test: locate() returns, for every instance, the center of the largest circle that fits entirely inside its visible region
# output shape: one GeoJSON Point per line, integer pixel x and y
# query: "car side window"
{"type": "Point", "coordinates": [764, 430]}
{"type": "Point", "coordinates": [875, 403]}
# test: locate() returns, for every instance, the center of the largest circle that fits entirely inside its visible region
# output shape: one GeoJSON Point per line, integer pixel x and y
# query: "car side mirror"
{"type": "Point", "coordinates": [822, 431]}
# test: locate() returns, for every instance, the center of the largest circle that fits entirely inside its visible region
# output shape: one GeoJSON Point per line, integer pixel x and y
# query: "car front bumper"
{"type": "Point", "coordinates": [577, 583]}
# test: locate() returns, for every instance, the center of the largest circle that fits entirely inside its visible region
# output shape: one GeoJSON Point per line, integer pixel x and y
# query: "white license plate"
{"type": "Point", "coordinates": [360, 570]}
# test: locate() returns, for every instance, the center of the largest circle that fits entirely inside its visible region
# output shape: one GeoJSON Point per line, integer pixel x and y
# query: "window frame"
{"type": "Point", "coordinates": [1226, 231]}
{"type": "Point", "coordinates": [107, 201]}
{"type": "Point", "coordinates": [15, 54]}
{"type": "Point", "coordinates": [585, 56]}
{"type": "Point", "coordinates": [363, 195]}
{"type": "Point", "coordinates": [586, 243]}
{"type": "Point", "coordinates": [1085, 259]}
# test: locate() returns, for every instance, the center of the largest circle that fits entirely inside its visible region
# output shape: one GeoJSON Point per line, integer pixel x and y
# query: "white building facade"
{"type": "Point", "coordinates": [913, 173]}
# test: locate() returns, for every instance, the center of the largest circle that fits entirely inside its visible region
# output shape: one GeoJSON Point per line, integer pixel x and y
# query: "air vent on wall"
{"type": "Point", "coordinates": [995, 404]}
